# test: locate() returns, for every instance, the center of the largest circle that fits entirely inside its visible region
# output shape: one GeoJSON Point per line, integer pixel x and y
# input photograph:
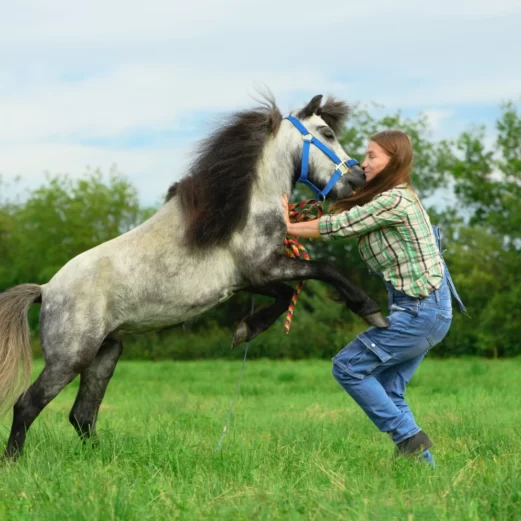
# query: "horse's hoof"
{"type": "Point", "coordinates": [240, 335]}
{"type": "Point", "coordinates": [7, 459]}
{"type": "Point", "coordinates": [377, 320]}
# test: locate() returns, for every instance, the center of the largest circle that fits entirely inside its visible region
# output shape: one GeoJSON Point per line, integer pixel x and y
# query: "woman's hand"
{"type": "Point", "coordinates": [308, 229]}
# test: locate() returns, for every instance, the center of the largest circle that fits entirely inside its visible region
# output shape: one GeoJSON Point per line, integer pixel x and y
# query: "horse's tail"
{"type": "Point", "coordinates": [15, 347]}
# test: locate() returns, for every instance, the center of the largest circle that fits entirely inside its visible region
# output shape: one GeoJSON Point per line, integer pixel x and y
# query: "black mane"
{"type": "Point", "coordinates": [215, 195]}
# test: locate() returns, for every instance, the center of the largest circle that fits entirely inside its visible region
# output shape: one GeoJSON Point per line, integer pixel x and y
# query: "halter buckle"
{"type": "Point", "coordinates": [344, 169]}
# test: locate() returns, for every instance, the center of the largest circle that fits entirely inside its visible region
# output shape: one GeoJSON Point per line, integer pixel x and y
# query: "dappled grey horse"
{"type": "Point", "coordinates": [220, 231]}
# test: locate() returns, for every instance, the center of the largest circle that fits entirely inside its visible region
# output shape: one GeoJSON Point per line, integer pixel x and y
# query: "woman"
{"type": "Point", "coordinates": [395, 239]}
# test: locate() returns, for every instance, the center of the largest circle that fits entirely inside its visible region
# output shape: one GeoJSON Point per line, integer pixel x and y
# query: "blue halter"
{"type": "Point", "coordinates": [342, 167]}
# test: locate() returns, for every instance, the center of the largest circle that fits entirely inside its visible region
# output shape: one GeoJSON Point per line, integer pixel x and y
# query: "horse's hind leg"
{"type": "Point", "coordinates": [51, 381]}
{"type": "Point", "coordinates": [68, 349]}
{"type": "Point", "coordinates": [93, 384]}
{"type": "Point", "coordinates": [263, 318]}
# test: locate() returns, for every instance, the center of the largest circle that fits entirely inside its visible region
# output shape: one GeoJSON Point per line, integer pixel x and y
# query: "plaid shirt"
{"type": "Point", "coordinates": [395, 238]}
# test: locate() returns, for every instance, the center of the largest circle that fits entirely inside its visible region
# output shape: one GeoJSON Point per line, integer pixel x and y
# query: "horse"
{"type": "Point", "coordinates": [219, 231]}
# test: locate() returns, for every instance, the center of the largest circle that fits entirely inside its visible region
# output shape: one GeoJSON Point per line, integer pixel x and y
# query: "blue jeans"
{"type": "Point", "coordinates": [376, 367]}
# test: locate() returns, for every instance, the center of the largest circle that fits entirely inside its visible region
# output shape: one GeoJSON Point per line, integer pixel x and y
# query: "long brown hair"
{"type": "Point", "coordinates": [398, 147]}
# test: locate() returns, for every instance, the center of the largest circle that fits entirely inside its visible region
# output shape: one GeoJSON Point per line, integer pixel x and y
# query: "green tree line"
{"type": "Point", "coordinates": [470, 185]}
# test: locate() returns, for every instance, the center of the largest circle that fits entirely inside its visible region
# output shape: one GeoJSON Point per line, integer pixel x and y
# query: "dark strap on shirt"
{"type": "Point", "coordinates": [463, 309]}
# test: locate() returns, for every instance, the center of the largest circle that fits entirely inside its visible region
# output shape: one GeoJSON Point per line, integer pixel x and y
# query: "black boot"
{"type": "Point", "coordinates": [413, 445]}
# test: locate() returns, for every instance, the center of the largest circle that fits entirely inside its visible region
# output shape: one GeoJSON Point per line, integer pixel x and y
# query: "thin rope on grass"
{"type": "Point", "coordinates": [303, 211]}
{"type": "Point", "coordinates": [225, 428]}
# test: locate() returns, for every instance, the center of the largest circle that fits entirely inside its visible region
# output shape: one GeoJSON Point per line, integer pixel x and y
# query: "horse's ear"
{"type": "Point", "coordinates": [335, 113]}
{"type": "Point", "coordinates": [311, 108]}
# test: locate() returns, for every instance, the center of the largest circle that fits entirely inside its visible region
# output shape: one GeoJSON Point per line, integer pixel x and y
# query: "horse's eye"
{"type": "Point", "coordinates": [328, 133]}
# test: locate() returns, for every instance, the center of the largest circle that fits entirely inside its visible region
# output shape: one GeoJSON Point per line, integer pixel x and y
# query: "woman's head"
{"type": "Point", "coordinates": [387, 163]}
{"type": "Point", "coordinates": [389, 153]}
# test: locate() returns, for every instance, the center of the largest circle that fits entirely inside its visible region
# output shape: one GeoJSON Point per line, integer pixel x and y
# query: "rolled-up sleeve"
{"type": "Point", "coordinates": [385, 210]}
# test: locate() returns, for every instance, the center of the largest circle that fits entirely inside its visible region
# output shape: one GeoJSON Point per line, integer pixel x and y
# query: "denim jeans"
{"type": "Point", "coordinates": [376, 367]}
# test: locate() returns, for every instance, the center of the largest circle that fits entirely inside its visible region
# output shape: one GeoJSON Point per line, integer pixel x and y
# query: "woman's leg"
{"type": "Point", "coordinates": [416, 326]}
{"type": "Point", "coordinates": [357, 368]}
{"type": "Point", "coordinates": [394, 380]}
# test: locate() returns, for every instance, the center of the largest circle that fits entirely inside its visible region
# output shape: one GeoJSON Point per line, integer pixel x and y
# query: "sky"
{"type": "Point", "coordinates": [135, 85]}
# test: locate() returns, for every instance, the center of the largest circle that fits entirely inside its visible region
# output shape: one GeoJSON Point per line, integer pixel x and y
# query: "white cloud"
{"type": "Point", "coordinates": [130, 98]}
{"type": "Point", "coordinates": [73, 73]}
{"type": "Point", "coordinates": [120, 22]}
{"type": "Point", "coordinates": [437, 117]}
{"type": "Point", "coordinates": [477, 90]}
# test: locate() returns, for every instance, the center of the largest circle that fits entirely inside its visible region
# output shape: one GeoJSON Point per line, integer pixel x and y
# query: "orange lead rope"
{"type": "Point", "coordinates": [300, 212]}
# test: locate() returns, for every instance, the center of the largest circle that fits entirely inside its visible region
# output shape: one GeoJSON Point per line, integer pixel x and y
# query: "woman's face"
{"type": "Point", "coordinates": [376, 159]}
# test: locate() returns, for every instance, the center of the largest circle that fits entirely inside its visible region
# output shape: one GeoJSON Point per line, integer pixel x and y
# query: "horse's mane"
{"type": "Point", "coordinates": [215, 195]}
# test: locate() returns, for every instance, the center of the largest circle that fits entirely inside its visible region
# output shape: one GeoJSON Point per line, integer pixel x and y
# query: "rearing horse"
{"type": "Point", "coordinates": [220, 231]}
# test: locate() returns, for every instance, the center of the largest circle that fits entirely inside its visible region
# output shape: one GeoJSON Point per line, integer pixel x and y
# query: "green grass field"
{"type": "Point", "coordinates": [297, 448]}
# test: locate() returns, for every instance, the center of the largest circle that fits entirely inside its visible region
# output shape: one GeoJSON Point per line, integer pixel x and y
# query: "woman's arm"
{"type": "Point", "coordinates": [385, 210]}
{"type": "Point", "coordinates": [307, 229]}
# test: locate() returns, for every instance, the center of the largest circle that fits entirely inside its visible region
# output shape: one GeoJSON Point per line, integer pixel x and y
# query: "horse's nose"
{"type": "Point", "coordinates": [356, 176]}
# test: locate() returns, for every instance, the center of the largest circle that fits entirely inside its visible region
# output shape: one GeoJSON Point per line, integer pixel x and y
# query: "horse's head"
{"type": "Point", "coordinates": [320, 161]}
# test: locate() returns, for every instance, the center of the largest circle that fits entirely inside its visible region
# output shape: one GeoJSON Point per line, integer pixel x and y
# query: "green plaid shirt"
{"type": "Point", "coordinates": [395, 238]}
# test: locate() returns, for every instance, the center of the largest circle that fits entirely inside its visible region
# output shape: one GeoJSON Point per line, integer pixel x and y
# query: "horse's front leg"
{"type": "Point", "coordinates": [254, 324]}
{"type": "Point", "coordinates": [282, 268]}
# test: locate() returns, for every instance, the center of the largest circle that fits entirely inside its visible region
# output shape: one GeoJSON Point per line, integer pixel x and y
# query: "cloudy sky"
{"type": "Point", "coordinates": [136, 84]}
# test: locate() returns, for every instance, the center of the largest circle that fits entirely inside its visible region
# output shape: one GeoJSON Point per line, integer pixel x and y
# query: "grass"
{"type": "Point", "coordinates": [297, 448]}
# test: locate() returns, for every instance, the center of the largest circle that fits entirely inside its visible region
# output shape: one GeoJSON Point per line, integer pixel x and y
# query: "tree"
{"type": "Point", "coordinates": [481, 232]}
{"type": "Point", "coordinates": [63, 218]}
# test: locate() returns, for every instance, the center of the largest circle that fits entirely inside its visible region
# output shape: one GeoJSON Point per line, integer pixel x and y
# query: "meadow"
{"type": "Point", "coordinates": [297, 448]}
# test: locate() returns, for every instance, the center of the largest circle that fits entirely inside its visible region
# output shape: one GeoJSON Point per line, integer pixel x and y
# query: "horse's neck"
{"type": "Point", "coordinates": [167, 222]}
{"type": "Point", "coordinates": [274, 173]}
{"type": "Point", "coordinates": [264, 223]}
